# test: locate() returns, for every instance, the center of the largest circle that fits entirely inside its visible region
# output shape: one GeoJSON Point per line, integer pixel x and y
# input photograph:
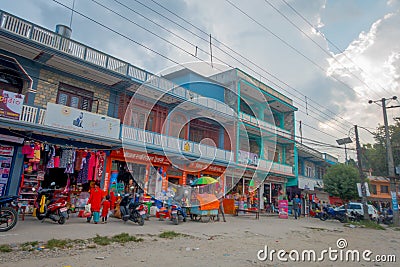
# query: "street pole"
{"type": "Point", "coordinates": [362, 176]}
{"type": "Point", "coordinates": [390, 163]}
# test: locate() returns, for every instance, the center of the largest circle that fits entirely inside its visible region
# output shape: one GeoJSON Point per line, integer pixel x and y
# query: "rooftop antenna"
{"type": "Point", "coordinates": [72, 14]}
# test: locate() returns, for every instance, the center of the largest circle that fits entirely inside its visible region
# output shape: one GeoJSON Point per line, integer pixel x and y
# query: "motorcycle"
{"type": "Point", "coordinates": [386, 218]}
{"type": "Point", "coordinates": [330, 213]}
{"type": "Point", "coordinates": [177, 213]}
{"type": "Point", "coordinates": [49, 206]}
{"type": "Point", "coordinates": [8, 213]}
{"type": "Point", "coordinates": [354, 216]}
{"type": "Point", "coordinates": [131, 210]}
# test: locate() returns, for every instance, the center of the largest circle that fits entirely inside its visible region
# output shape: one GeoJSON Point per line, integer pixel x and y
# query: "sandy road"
{"type": "Point", "coordinates": [234, 243]}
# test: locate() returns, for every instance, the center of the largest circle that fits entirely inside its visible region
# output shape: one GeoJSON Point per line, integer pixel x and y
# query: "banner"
{"type": "Point", "coordinates": [247, 158]}
{"type": "Point", "coordinates": [283, 207]}
{"type": "Point", "coordinates": [10, 104]}
{"type": "Point", "coordinates": [81, 121]}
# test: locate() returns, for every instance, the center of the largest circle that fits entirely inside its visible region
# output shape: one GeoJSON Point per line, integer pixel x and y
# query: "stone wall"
{"type": "Point", "coordinates": [47, 90]}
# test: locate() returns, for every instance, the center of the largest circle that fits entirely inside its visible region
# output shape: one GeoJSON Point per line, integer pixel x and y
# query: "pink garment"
{"type": "Point", "coordinates": [56, 161]}
{"type": "Point", "coordinates": [91, 166]}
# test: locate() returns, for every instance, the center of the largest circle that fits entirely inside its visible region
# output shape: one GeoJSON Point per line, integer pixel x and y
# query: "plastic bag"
{"type": "Point", "coordinates": [88, 208]}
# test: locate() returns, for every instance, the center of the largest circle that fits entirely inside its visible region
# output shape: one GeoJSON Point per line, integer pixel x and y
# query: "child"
{"type": "Point", "coordinates": [105, 208]}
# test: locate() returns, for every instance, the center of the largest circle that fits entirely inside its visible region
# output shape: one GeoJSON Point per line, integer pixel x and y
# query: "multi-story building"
{"type": "Point", "coordinates": [312, 167]}
{"type": "Point", "coordinates": [64, 96]}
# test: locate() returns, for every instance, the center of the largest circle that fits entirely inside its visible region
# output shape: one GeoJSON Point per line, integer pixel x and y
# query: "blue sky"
{"type": "Point", "coordinates": [337, 84]}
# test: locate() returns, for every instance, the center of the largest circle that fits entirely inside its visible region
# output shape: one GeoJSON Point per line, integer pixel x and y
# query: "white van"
{"type": "Point", "coordinates": [358, 207]}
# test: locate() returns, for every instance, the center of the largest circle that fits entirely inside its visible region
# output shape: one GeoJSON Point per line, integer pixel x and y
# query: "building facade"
{"type": "Point", "coordinates": [76, 115]}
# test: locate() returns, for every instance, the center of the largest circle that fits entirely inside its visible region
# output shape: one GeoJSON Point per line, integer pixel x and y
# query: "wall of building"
{"type": "Point", "coordinates": [47, 90]}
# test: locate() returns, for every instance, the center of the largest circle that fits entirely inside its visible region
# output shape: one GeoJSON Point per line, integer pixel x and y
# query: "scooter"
{"type": "Point", "coordinates": [354, 216]}
{"type": "Point", "coordinates": [8, 213]}
{"type": "Point", "coordinates": [49, 206]}
{"type": "Point", "coordinates": [131, 210]}
{"type": "Point", "coordinates": [330, 213]}
{"type": "Point", "coordinates": [177, 213]}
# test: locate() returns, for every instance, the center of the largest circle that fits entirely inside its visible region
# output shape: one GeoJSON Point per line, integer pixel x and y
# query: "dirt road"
{"type": "Point", "coordinates": [235, 243]}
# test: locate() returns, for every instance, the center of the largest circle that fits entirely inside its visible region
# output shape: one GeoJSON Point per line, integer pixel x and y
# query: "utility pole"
{"type": "Point", "coordinates": [390, 162]}
{"type": "Point", "coordinates": [362, 176]}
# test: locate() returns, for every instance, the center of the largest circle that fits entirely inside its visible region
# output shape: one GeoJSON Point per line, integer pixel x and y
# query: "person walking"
{"type": "Point", "coordinates": [96, 195]}
{"type": "Point", "coordinates": [105, 207]}
{"type": "Point", "coordinates": [296, 206]}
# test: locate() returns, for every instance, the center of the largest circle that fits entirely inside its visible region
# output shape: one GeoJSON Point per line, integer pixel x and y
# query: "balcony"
{"type": "Point", "coordinates": [308, 183]}
{"type": "Point", "coordinates": [45, 37]}
{"type": "Point", "coordinates": [265, 125]}
{"type": "Point", "coordinates": [275, 167]}
{"type": "Point", "coordinates": [134, 136]}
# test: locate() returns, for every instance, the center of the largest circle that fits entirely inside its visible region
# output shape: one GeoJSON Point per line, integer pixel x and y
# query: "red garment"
{"type": "Point", "coordinates": [113, 199]}
{"type": "Point", "coordinates": [91, 166]}
{"type": "Point", "coordinates": [106, 208]}
{"type": "Point", "coordinates": [96, 195]}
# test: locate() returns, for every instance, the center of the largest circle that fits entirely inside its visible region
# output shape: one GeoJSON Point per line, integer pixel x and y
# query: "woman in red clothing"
{"type": "Point", "coordinates": [96, 195]}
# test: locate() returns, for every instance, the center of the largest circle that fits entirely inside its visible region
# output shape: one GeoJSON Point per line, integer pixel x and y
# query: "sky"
{"type": "Point", "coordinates": [329, 56]}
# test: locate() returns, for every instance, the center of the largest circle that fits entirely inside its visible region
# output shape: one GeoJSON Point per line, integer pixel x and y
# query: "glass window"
{"type": "Point", "coordinates": [74, 97]}
{"type": "Point", "coordinates": [384, 189]}
{"type": "Point", "coordinates": [373, 189]}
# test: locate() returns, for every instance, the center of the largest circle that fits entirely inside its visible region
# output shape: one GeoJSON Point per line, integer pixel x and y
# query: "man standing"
{"type": "Point", "coordinates": [296, 206]}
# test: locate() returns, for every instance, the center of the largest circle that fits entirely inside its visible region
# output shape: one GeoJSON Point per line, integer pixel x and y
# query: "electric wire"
{"type": "Point", "coordinates": [101, 24]}
{"type": "Point", "coordinates": [329, 41]}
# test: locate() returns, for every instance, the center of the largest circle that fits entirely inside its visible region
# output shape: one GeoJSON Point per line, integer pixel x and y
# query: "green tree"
{"type": "Point", "coordinates": [341, 180]}
{"type": "Point", "coordinates": [374, 155]}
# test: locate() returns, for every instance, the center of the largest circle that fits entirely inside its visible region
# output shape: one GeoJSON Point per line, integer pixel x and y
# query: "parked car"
{"type": "Point", "coordinates": [358, 207]}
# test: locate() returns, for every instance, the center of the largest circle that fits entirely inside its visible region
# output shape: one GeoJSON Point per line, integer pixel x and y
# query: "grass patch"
{"type": "Point", "coordinates": [169, 234]}
{"type": "Point", "coordinates": [5, 248]}
{"type": "Point", "coordinates": [29, 246]}
{"type": "Point", "coordinates": [125, 237]}
{"type": "Point", "coordinates": [368, 224]}
{"type": "Point", "coordinates": [102, 240]}
{"type": "Point", "coordinates": [58, 243]}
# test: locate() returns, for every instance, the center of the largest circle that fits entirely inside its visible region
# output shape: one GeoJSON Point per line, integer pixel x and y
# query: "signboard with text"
{"type": "Point", "coordinates": [10, 104]}
{"type": "Point", "coordinates": [283, 207]}
{"type": "Point", "coordinates": [81, 121]}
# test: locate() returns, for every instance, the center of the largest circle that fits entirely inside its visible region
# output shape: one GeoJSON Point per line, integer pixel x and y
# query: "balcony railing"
{"type": "Point", "coordinates": [65, 45]}
{"type": "Point", "coordinates": [32, 114]}
{"type": "Point", "coordinates": [265, 125]}
{"type": "Point", "coordinates": [275, 167]}
{"type": "Point", "coordinates": [156, 140]}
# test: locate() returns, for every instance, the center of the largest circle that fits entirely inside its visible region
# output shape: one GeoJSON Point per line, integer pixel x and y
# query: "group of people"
{"type": "Point", "coordinates": [98, 202]}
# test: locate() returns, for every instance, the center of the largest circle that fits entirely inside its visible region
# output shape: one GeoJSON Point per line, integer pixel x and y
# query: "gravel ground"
{"type": "Point", "coordinates": [234, 243]}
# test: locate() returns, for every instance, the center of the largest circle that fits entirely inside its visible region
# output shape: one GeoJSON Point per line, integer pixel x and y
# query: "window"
{"type": "Point", "coordinates": [373, 189]}
{"type": "Point", "coordinates": [384, 189]}
{"type": "Point", "coordinates": [308, 171]}
{"type": "Point", "coordinates": [74, 97]}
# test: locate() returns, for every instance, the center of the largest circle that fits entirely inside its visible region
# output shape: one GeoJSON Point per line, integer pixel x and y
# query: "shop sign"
{"type": "Point", "coordinates": [5, 167]}
{"type": "Point", "coordinates": [198, 166]}
{"type": "Point", "coordinates": [6, 150]}
{"type": "Point", "coordinates": [283, 207]}
{"type": "Point", "coordinates": [10, 138]}
{"type": "Point", "coordinates": [81, 121]}
{"type": "Point", "coordinates": [10, 104]}
{"type": "Point", "coordinates": [247, 158]}
{"type": "Point", "coordinates": [155, 159]}
{"type": "Point", "coordinates": [309, 183]}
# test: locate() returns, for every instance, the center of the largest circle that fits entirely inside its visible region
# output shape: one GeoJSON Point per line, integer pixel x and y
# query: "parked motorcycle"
{"type": "Point", "coordinates": [131, 210]}
{"type": "Point", "coordinates": [386, 217]}
{"type": "Point", "coordinates": [178, 213]}
{"type": "Point", "coordinates": [354, 216]}
{"type": "Point", "coordinates": [8, 213]}
{"type": "Point", "coordinates": [330, 213]}
{"type": "Point", "coordinates": [47, 205]}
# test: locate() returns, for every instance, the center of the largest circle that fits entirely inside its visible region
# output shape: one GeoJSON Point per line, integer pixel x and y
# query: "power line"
{"type": "Point", "coordinates": [147, 31]}
{"type": "Point", "coordinates": [205, 40]}
{"type": "Point", "coordinates": [329, 41]}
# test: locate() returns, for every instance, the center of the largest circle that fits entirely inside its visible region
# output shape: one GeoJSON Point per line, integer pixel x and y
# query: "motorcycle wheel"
{"type": "Point", "coordinates": [323, 217]}
{"type": "Point", "coordinates": [342, 219]}
{"type": "Point", "coordinates": [61, 220]}
{"type": "Point", "coordinates": [8, 218]}
{"type": "Point", "coordinates": [140, 220]}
